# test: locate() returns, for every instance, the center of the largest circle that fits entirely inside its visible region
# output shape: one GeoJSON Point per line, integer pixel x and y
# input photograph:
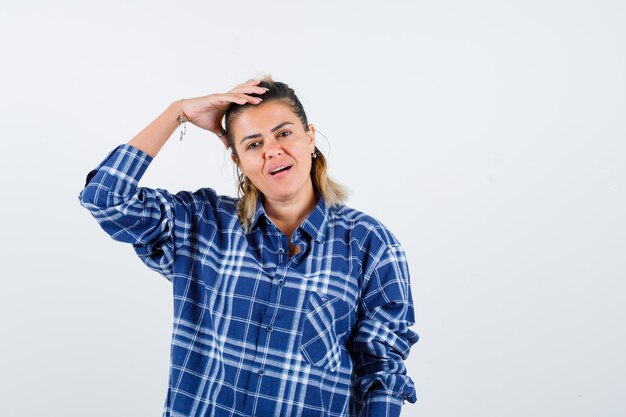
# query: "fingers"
{"type": "Point", "coordinates": [247, 84]}
{"type": "Point", "coordinates": [243, 98]}
{"type": "Point", "coordinates": [249, 89]}
{"type": "Point", "coordinates": [240, 94]}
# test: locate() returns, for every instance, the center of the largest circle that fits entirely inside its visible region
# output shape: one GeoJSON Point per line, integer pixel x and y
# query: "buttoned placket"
{"type": "Point", "coordinates": [280, 278]}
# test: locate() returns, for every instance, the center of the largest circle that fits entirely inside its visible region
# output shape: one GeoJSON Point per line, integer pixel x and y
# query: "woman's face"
{"type": "Point", "coordinates": [267, 137]}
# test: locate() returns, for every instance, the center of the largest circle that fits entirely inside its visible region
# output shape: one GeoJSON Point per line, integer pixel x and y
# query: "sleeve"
{"type": "Point", "coordinates": [383, 339]}
{"type": "Point", "coordinates": [154, 221]}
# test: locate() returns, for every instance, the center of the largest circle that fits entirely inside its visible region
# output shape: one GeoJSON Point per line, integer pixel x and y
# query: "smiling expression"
{"type": "Point", "coordinates": [275, 151]}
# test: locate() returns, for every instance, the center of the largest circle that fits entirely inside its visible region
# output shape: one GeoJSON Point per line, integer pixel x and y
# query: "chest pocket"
{"type": "Point", "coordinates": [327, 319]}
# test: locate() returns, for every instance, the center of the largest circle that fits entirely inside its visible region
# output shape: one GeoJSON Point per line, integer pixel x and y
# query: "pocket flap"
{"type": "Point", "coordinates": [327, 319]}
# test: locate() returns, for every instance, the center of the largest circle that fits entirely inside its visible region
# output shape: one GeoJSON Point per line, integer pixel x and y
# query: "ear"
{"type": "Point", "coordinates": [234, 159]}
{"type": "Point", "coordinates": [311, 135]}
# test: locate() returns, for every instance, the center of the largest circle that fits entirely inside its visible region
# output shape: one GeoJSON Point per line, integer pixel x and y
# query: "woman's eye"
{"type": "Point", "coordinates": [253, 145]}
{"type": "Point", "coordinates": [285, 133]}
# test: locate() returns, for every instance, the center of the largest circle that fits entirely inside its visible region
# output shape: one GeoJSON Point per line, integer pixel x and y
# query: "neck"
{"type": "Point", "coordinates": [288, 214]}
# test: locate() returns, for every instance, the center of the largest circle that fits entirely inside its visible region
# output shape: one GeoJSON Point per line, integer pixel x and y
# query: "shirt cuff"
{"type": "Point", "coordinates": [124, 161]}
{"type": "Point", "coordinates": [382, 404]}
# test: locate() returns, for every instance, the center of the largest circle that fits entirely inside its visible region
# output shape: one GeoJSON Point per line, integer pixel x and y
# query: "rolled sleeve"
{"type": "Point", "coordinates": [153, 220]}
{"type": "Point", "coordinates": [382, 405]}
{"type": "Point", "coordinates": [115, 178]}
{"type": "Point", "coordinates": [383, 339]}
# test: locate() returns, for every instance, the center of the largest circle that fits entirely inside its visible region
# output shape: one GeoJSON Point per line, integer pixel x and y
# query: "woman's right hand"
{"type": "Point", "coordinates": [207, 111]}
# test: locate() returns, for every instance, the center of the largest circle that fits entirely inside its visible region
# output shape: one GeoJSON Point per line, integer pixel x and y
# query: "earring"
{"type": "Point", "coordinates": [314, 155]}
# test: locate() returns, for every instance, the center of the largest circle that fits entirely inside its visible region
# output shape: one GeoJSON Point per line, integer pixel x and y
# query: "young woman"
{"type": "Point", "coordinates": [287, 302]}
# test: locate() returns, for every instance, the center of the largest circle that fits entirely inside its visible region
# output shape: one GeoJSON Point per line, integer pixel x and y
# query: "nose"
{"type": "Point", "coordinates": [272, 148]}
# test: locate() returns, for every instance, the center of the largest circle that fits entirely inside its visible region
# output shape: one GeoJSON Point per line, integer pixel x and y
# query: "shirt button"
{"type": "Point", "coordinates": [270, 328]}
{"type": "Point", "coordinates": [261, 372]}
{"type": "Point", "coordinates": [281, 250]}
{"type": "Point", "coordinates": [281, 282]}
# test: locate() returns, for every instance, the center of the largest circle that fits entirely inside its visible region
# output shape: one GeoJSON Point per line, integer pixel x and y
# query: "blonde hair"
{"type": "Point", "coordinates": [248, 194]}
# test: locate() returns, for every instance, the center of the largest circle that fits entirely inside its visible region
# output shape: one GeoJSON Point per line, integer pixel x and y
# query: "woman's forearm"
{"type": "Point", "coordinates": [152, 138]}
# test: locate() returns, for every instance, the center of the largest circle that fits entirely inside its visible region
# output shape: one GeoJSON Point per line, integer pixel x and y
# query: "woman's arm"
{"type": "Point", "coordinates": [383, 338]}
{"type": "Point", "coordinates": [205, 112]}
{"type": "Point", "coordinates": [152, 138]}
{"type": "Point", "coordinates": [157, 223]}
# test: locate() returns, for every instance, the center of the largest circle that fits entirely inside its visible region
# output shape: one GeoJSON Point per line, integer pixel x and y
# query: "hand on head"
{"type": "Point", "coordinates": [207, 112]}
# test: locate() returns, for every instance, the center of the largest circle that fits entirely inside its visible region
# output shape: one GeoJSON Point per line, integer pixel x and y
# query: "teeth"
{"type": "Point", "coordinates": [280, 168]}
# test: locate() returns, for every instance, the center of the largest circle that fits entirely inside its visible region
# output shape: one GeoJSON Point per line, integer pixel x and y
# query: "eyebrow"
{"type": "Point", "coordinates": [258, 135]}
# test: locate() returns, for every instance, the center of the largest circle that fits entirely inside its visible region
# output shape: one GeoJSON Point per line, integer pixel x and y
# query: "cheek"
{"type": "Point", "coordinates": [250, 166]}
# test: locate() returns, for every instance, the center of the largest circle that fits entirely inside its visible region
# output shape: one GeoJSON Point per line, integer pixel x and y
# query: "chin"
{"type": "Point", "coordinates": [280, 196]}
{"type": "Point", "coordinates": [286, 192]}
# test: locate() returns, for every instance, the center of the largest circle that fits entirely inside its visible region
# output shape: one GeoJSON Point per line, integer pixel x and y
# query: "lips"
{"type": "Point", "coordinates": [279, 168]}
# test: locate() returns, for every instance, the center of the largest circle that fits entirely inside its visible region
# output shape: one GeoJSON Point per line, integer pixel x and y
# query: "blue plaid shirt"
{"type": "Point", "coordinates": [258, 332]}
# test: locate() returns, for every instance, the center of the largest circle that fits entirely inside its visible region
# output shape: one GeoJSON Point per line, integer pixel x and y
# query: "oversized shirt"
{"type": "Point", "coordinates": [258, 332]}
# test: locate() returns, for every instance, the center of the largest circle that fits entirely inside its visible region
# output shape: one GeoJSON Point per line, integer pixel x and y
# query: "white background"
{"type": "Point", "coordinates": [489, 136]}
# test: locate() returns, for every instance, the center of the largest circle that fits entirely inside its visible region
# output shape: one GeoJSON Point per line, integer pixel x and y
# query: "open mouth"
{"type": "Point", "coordinates": [280, 169]}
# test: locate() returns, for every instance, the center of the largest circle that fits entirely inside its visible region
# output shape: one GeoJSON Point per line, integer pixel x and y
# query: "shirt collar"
{"type": "Point", "coordinates": [314, 225]}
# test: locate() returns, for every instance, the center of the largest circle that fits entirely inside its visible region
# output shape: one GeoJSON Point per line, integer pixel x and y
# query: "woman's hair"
{"type": "Point", "coordinates": [324, 187]}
